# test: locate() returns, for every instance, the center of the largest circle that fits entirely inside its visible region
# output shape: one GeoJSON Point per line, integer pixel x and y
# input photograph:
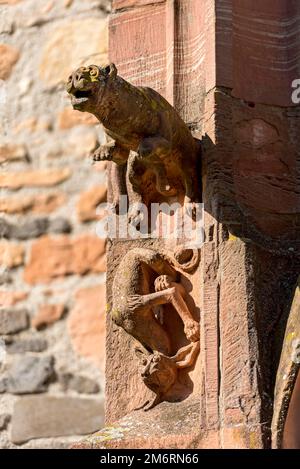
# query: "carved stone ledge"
{"type": "Point", "coordinates": [169, 426]}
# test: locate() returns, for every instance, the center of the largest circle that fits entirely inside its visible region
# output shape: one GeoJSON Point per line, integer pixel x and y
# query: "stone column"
{"type": "Point", "coordinates": [227, 67]}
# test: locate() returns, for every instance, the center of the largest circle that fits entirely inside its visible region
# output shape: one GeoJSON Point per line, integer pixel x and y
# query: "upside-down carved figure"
{"type": "Point", "coordinates": [145, 280]}
{"type": "Point", "coordinates": [153, 148]}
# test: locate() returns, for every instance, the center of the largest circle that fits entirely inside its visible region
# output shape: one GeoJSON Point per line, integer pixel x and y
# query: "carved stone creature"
{"type": "Point", "coordinates": [159, 371]}
{"type": "Point", "coordinates": [151, 141]}
{"type": "Point", "coordinates": [144, 280]}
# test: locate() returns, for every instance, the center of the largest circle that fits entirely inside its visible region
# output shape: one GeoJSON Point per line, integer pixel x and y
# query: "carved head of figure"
{"type": "Point", "coordinates": [87, 85]}
{"type": "Point", "coordinates": [158, 372]}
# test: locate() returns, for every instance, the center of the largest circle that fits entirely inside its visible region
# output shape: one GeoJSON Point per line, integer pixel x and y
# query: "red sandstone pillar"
{"type": "Point", "coordinates": [227, 67]}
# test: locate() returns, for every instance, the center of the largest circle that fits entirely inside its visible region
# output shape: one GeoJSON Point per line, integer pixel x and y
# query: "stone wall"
{"type": "Point", "coordinates": [228, 67]}
{"type": "Point", "coordinates": [52, 274]}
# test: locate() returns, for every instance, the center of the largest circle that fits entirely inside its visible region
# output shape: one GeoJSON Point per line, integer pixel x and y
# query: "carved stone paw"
{"type": "Point", "coordinates": [103, 153]}
{"type": "Point", "coordinates": [191, 330]}
{"type": "Point", "coordinates": [163, 282]}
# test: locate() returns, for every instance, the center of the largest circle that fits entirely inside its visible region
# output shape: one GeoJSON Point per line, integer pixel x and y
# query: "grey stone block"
{"type": "Point", "coordinates": [30, 374]}
{"type": "Point", "coordinates": [27, 345]}
{"type": "Point", "coordinates": [13, 320]}
{"type": "Point", "coordinates": [81, 384]}
{"type": "Point", "coordinates": [49, 416]}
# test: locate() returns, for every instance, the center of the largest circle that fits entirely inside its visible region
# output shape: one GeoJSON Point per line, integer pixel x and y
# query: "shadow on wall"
{"type": "Point", "coordinates": [251, 187]}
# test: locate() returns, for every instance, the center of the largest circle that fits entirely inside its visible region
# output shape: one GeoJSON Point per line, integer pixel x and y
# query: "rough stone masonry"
{"type": "Point", "coordinates": [52, 295]}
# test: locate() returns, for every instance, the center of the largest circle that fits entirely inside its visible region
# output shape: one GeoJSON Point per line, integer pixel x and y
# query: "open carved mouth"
{"type": "Point", "coordinates": [80, 96]}
{"type": "Point", "coordinates": [82, 93]}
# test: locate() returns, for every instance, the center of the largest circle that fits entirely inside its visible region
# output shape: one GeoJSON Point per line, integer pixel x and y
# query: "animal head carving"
{"type": "Point", "coordinates": [87, 85]}
{"type": "Point", "coordinates": [158, 372]}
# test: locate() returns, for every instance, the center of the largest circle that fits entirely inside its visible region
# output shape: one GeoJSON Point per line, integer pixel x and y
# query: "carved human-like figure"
{"type": "Point", "coordinates": [149, 136]}
{"type": "Point", "coordinates": [144, 280]}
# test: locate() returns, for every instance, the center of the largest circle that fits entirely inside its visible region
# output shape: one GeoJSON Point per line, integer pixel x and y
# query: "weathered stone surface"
{"type": "Point", "coordinates": [265, 57]}
{"type": "Point", "coordinates": [251, 170]}
{"type": "Point", "coordinates": [88, 202]}
{"type": "Point", "coordinates": [30, 229]}
{"type": "Point", "coordinates": [32, 124]}
{"type": "Point", "coordinates": [82, 141]}
{"type": "Point", "coordinates": [183, 81]}
{"type": "Point", "coordinates": [4, 419]}
{"type": "Point", "coordinates": [78, 142]}
{"type": "Point", "coordinates": [286, 405]}
{"type": "Point", "coordinates": [8, 57]}
{"type": "Point", "coordinates": [12, 152]}
{"type": "Point", "coordinates": [59, 225]}
{"type": "Point", "coordinates": [260, 153]}
{"type": "Point", "coordinates": [3, 385]}
{"type": "Point", "coordinates": [87, 335]}
{"type": "Point", "coordinates": [10, 298]}
{"type": "Point", "coordinates": [39, 203]}
{"type": "Point", "coordinates": [5, 278]}
{"type": "Point", "coordinates": [9, 2]}
{"type": "Point", "coordinates": [34, 344]}
{"type": "Point", "coordinates": [81, 384]}
{"type": "Point", "coordinates": [30, 374]}
{"type": "Point", "coordinates": [46, 416]}
{"type": "Point", "coordinates": [13, 320]}
{"type": "Point", "coordinates": [71, 45]}
{"type": "Point", "coordinates": [47, 314]}
{"type": "Point", "coordinates": [11, 254]}
{"type": "Point", "coordinates": [34, 178]}
{"type": "Point", "coordinates": [118, 4]}
{"type": "Point", "coordinates": [68, 256]}
{"type": "Point", "coordinates": [33, 228]}
{"type": "Point", "coordinates": [68, 118]}
{"type": "Point", "coordinates": [100, 166]}
{"type": "Point", "coordinates": [178, 424]}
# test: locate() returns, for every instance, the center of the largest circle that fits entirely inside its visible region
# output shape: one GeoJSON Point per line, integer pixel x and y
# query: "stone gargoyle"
{"type": "Point", "coordinates": [152, 147]}
{"type": "Point", "coordinates": [146, 279]}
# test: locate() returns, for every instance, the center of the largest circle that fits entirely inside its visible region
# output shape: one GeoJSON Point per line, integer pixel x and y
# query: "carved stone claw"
{"type": "Point", "coordinates": [186, 356]}
{"type": "Point", "coordinates": [103, 153]}
{"type": "Point", "coordinates": [191, 330]}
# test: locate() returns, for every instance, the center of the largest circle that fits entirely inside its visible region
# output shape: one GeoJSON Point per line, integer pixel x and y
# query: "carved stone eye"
{"type": "Point", "coordinates": [144, 361]}
{"type": "Point", "coordinates": [94, 72]}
